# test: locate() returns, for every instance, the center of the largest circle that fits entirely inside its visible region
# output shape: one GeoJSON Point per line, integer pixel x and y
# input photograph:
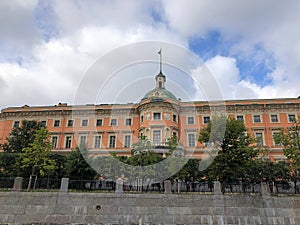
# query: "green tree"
{"type": "Point", "coordinates": [77, 167]}
{"type": "Point", "coordinates": [21, 137]}
{"type": "Point", "coordinates": [290, 139]}
{"type": "Point", "coordinates": [37, 157]}
{"type": "Point", "coordinates": [235, 149]}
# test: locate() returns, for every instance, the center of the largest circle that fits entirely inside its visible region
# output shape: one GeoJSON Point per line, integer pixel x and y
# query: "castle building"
{"type": "Point", "coordinates": [108, 128]}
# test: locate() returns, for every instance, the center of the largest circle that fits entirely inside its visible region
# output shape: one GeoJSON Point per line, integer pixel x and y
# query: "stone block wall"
{"type": "Point", "coordinates": [111, 208]}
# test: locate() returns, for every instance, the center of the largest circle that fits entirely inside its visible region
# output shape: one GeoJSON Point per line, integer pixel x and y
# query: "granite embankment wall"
{"type": "Point", "coordinates": [111, 208]}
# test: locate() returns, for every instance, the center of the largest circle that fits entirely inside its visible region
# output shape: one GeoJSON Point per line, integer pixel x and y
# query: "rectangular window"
{"type": "Point", "coordinates": [16, 123]}
{"type": "Point", "coordinates": [44, 123]}
{"type": "Point", "coordinates": [167, 116]}
{"type": "Point", "coordinates": [113, 122]}
{"type": "Point", "coordinates": [256, 119]}
{"type": "Point", "coordinates": [56, 123]}
{"type": "Point", "coordinates": [148, 116]}
{"type": "Point", "coordinates": [83, 140]}
{"type": "Point", "coordinates": [99, 122]}
{"type": "Point", "coordinates": [127, 141]}
{"type": "Point", "coordinates": [142, 119]}
{"type": "Point", "coordinates": [240, 117]}
{"type": "Point", "coordinates": [128, 122]}
{"type": "Point", "coordinates": [275, 141]}
{"type": "Point", "coordinates": [191, 140]}
{"type": "Point", "coordinates": [54, 141]}
{"type": "Point", "coordinates": [274, 118]}
{"type": "Point", "coordinates": [174, 118]}
{"type": "Point", "coordinates": [259, 138]}
{"type": "Point", "coordinates": [112, 141]}
{"type": "Point", "coordinates": [291, 118]}
{"type": "Point", "coordinates": [70, 123]}
{"type": "Point", "coordinates": [97, 141]}
{"type": "Point", "coordinates": [156, 116]}
{"type": "Point", "coordinates": [156, 137]}
{"type": "Point", "coordinates": [84, 122]}
{"type": "Point", "coordinates": [190, 120]}
{"type": "Point", "coordinates": [68, 142]}
{"type": "Point", "coordinates": [206, 119]}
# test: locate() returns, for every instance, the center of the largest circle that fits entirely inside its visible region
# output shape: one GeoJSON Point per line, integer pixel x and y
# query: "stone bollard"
{"type": "Point", "coordinates": [179, 186]}
{"type": "Point", "coordinates": [264, 189]}
{"type": "Point", "coordinates": [217, 188]}
{"type": "Point", "coordinates": [119, 186]}
{"type": "Point", "coordinates": [167, 184]}
{"type": "Point", "coordinates": [64, 185]}
{"type": "Point", "coordinates": [18, 184]}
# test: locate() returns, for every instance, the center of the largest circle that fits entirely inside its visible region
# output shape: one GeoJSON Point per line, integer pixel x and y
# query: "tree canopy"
{"type": "Point", "coordinates": [235, 148]}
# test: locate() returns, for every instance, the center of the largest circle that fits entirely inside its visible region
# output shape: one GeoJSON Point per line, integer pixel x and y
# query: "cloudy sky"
{"type": "Point", "coordinates": [252, 48]}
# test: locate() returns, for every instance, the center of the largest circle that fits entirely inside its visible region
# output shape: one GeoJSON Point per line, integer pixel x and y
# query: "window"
{"type": "Point", "coordinates": [44, 123]}
{"type": "Point", "coordinates": [148, 116]}
{"type": "Point", "coordinates": [16, 123]}
{"type": "Point", "coordinates": [84, 122]}
{"type": "Point", "coordinates": [68, 142]}
{"type": "Point", "coordinates": [99, 122]}
{"type": "Point", "coordinates": [174, 118]}
{"type": "Point", "coordinates": [191, 140]}
{"type": "Point", "coordinates": [156, 137]}
{"type": "Point", "coordinates": [113, 122]}
{"type": "Point", "coordinates": [206, 119]}
{"type": "Point", "coordinates": [167, 116]}
{"type": "Point", "coordinates": [142, 119]}
{"type": "Point", "coordinates": [97, 141]}
{"type": "Point", "coordinates": [256, 119]}
{"type": "Point", "coordinates": [82, 140]}
{"type": "Point", "coordinates": [291, 118]}
{"type": "Point", "coordinates": [240, 117]}
{"type": "Point", "coordinates": [275, 141]}
{"type": "Point", "coordinates": [259, 138]}
{"type": "Point", "coordinates": [127, 141]}
{"type": "Point", "coordinates": [156, 116]}
{"type": "Point", "coordinates": [112, 141]}
{"type": "Point", "coordinates": [128, 122]}
{"type": "Point", "coordinates": [274, 118]}
{"type": "Point", "coordinates": [190, 120]}
{"type": "Point", "coordinates": [54, 141]}
{"type": "Point", "coordinates": [56, 123]}
{"type": "Point", "coordinates": [70, 123]}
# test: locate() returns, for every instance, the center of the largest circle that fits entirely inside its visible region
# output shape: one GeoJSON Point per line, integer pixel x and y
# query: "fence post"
{"type": "Point", "coordinates": [264, 189]}
{"type": "Point", "coordinates": [64, 185]}
{"type": "Point", "coordinates": [217, 188]}
{"type": "Point", "coordinates": [119, 186]}
{"type": "Point", "coordinates": [18, 181]}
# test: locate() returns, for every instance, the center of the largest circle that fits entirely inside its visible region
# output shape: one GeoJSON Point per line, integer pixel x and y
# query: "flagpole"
{"type": "Point", "coordinates": [160, 60]}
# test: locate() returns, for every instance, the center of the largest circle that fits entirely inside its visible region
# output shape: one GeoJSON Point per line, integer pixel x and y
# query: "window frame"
{"type": "Point", "coordinates": [255, 116]}
{"type": "Point", "coordinates": [54, 122]}
{"type": "Point", "coordinates": [204, 119]}
{"type": "Point", "coordinates": [110, 141]}
{"type": "Point", "coordinates": [128, 124]}
{"type": "Point", "coordinates": [155, 114]}
{"type": "Point", "coordinates": [84, 123]}
{"type": "Point", "coordinates": [68, 142]}
{"type": "Point", "coordinates": [188, 120]}
{"type": "Point", "coordinates": [111, 122]}
{"type": "Point", "coordinates": [125, 145]}
{"type": "Point", "coordinates": [95, 139]}
{"type": "Point", "coordinates": [69, 120]}
{"type": "Point", "coordinates": [56, 142]}
{"type": "Point", "coordinates": [277, 118]}
{"type": "Point", "coordinates": [101, 123]}
{"type": "Point", "coordinates": [189, 143]}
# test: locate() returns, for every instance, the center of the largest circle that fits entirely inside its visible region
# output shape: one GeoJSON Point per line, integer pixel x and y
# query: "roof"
{"type": "Point", "coordinates": [159, 93]}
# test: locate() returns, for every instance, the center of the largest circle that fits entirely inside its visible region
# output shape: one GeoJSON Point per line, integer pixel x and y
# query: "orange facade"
{"type": "Point", "coordinates": [158, 116]}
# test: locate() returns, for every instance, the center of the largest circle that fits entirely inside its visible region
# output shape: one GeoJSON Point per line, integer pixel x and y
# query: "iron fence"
{"type": "Point", "coordinates": [6, 183]}
{"type": "Point", "coordinates": [241, 187]}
